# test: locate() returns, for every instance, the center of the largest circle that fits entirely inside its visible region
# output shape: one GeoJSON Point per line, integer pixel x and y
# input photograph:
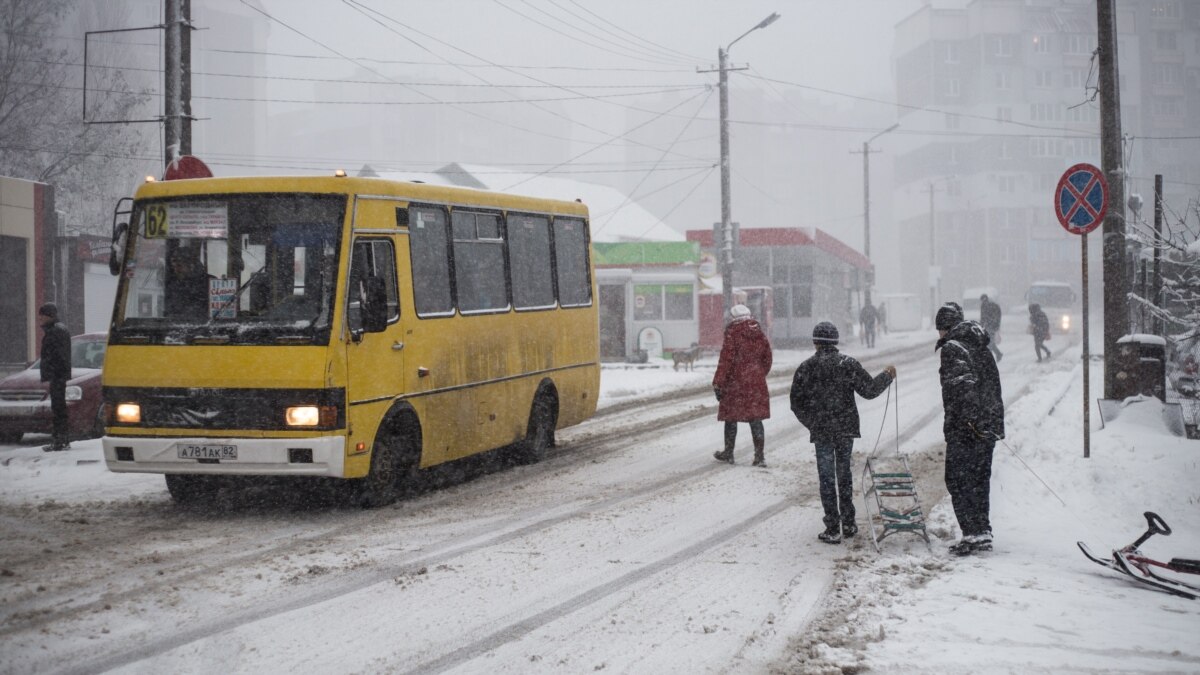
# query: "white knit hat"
{"type": "Point", "coordinates": [739, 311]}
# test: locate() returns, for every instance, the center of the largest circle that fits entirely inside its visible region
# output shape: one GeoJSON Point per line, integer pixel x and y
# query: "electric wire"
{"type": "Point", "coordinates": [660, 51]}
{"type": "Point", "coordinates": [630, 194]}
{"type": "Point", "coordinates": [368, 11]}
{"type": "Point", "coordinates": [585, 42]}
{"type": "Point", "coordinates": [633, 35]}
{"type": "Point", "coordinates": [637, 50]}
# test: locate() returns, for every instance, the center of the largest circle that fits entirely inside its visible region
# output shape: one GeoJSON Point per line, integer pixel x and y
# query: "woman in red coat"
{"type": "Point", "coordinates": [741, 382]}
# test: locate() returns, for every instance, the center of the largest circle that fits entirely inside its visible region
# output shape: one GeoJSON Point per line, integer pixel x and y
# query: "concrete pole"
{"type": "Point", "coordinates": [177, 80]}
{"type": "Point", "coordinates": [933, 306]}
{"type": "Point", "coordinates": [1116, 284]}
{"type": "Point", "coordinates": [866, 151]}
{"type": "Point", "coordinates": [1156, 286]}
{"type": "Point", "coordinates": [726, 255]}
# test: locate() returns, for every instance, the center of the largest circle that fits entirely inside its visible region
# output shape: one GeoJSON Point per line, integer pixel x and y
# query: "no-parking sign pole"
{"type": "Point", "coordinates": [1080, 202]}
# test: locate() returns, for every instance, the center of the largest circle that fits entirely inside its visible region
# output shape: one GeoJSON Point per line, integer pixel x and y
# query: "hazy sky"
{"type": "Point", "coordinates": [842, 46]}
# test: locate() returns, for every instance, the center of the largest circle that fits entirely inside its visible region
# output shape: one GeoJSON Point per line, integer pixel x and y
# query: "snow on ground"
{"type": "Point", "coordinates": [1035, 604]}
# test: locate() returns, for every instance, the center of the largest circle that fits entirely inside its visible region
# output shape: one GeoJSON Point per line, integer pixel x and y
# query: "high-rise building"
{"type": "Point", "coordinates": [1008, 92]}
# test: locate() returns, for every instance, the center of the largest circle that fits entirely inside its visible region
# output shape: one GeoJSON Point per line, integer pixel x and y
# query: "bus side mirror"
{"type": "Point", "coordinates": [116, 256]}
{"type": "Point", "coordinates": [374, 305]}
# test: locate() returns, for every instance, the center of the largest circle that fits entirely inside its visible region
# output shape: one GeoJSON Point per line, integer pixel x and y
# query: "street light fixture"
{"type": "Point", "coordinates": [866, 153]}
{"type": "Point", "coordinates": [726, 225]}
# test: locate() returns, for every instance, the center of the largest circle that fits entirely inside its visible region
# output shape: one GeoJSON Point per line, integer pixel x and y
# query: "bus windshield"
{"type": "Point", "coordinates": [1052, 296]}
{"type": "Point", "coordinates": [231, 268]}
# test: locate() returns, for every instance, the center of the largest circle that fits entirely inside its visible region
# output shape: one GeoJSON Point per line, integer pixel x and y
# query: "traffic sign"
{"type": "Point", "coordinates": [1081, 199]}
{"type": "Point", "coordinates": [187, 166]}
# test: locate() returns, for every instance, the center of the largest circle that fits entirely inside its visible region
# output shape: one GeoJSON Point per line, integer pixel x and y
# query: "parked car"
{"type": "Point", "coordinates": [1187, 385]}
{"type": "Point", "coordinates": [25, 399]}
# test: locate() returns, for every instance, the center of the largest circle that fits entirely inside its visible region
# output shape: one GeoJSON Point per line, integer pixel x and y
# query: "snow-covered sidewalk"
{"type": "Point", "coordinates": [1035, 604]}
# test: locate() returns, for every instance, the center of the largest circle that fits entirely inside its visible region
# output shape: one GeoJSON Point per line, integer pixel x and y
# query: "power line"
{"type": "Point", "coordinates": [615, 69]}
{"type": "Point", "coordinates": [597, 147]}
{"type": "Point", "coordinates": [685, 197]}
{"type": "Point", "coordinates": [629, 196]}
{"type": "Point", "coordinates": [577, 40]}
{"type": "Point", "coordinates": [638, 49]}
{"type": "Point", "coordinates": [912, 107]}
{"type": "Point", "coordinates": [642, 39]}
{"type": "Point", "coordinates": [363, 9]}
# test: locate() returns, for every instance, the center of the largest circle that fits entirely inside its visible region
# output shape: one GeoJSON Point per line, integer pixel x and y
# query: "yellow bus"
{"type": "Point", "coordinates": [353, 328]}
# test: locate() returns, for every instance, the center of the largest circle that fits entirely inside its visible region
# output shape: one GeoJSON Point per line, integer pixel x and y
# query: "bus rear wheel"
{"type": "Point", "coordinates": [540, 435]}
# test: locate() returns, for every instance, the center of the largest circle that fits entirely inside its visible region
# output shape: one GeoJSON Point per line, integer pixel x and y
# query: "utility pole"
{"type": "Point", "coordinates": [1116, 285]}
{"type": "Point", "coordinates": [1156, 285]}
{"type": "Point", "coordinates": [866, 153]}
{"type": "Point", "coordinates": [177, 80]}
{"type": "Point", "coordinates": [726, 209]}
{"type": "Point", "coordinates": [727, 230]}
{"type": "Point", "coordinates": [934, 272]}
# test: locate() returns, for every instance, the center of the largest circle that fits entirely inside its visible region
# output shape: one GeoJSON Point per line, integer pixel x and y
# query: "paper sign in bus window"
{"type": "Point", "coordinates": [197, 220]}
{"type": "Point", "coordinates": [220, 298]}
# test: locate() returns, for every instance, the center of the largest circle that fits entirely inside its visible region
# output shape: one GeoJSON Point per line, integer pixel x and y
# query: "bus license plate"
{"type": "Point", "coordinates": [196, 451]}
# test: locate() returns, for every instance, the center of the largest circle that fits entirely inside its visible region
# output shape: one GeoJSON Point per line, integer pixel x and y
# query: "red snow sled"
{"type": "Point", "coordinates": [1132, 562]}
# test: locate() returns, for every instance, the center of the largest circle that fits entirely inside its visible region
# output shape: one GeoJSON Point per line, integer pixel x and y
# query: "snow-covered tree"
{"type": "Point", "coordinates": [43, 134]}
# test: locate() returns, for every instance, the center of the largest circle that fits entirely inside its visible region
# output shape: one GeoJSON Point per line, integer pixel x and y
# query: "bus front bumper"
{"type": "Point", "coordinates": [318, 456]}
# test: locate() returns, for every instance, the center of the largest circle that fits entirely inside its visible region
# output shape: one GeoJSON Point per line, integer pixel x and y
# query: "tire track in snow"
{"type": "Point", "coordinates": [517, 630]}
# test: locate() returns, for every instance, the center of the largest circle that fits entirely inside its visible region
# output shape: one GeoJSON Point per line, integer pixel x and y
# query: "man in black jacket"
{"type": "Point", "coordinates": [974, 421]}
{"type": "Point", "coordinates": [55, 368]}
{"type": "Point", "coordinates": [822, 397]}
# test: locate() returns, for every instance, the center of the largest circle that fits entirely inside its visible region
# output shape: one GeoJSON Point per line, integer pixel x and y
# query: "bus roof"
{"type": "Point", "coordinates": [353, 185]}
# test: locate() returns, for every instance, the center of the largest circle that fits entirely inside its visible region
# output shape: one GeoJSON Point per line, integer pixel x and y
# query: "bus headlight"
{"type": "Point", "coordinates": [302, 416]}
{"type": "Point", "coordinates": [1066, 322]}
{"type": "Point", "coordinates": [74, 393]}
{"type": "Point", "coordinates": [129, 413]}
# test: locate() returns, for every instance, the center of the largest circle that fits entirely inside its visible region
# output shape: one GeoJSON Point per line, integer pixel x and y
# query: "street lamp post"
{"type": "Point", "coordinates": [726, 255]}
{"type": "Point", "coordinates": [866, 153]}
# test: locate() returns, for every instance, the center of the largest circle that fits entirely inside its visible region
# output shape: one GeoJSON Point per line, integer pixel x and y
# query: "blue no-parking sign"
{"type": "Point", "coordinates": [1081, 199]}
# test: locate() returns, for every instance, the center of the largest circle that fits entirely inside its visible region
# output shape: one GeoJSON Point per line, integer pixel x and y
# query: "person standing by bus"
{"type": "Point", "coordinates": [1039, 327]}
{"type": "Point", "coordinates": [822, 398]}
{"type": "Point", "coordinates": [55, 368]}
{"type": "Point", "coordinates": [740, 383]}
{"type": "Point", "coordinates": [989, 318]}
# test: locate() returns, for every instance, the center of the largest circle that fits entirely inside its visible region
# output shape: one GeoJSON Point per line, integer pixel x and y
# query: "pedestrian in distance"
{"type": "Point", "coordinates": [822, 398]}
{"type": "Point", "coordinates": [881, 315]}
{"type": "Point", "coordinates": [1039, 328]}
{"type": "Point", "coordinates": [974, 421]}
{"type": "Point", "coordinates": [55, 367]}
{"type": "Point", "coordinates": [989, 318]}
{"type": "Point", "coordinates": [868, 317]}
{"type": "Point", "coordinates": [740, 383]}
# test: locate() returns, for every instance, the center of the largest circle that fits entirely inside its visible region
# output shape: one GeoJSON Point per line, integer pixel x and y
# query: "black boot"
{"type": "Point", "coordinates": [759, 460]}
{"type": "Point", "coordinates": [725, 455]}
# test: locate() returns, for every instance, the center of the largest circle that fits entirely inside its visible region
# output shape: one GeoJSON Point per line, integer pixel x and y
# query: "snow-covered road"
{"type": "Point", "coordinates": [629, 549]}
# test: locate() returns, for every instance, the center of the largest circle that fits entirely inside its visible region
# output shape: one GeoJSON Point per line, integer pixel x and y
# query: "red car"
{"type": "Point", "coordinates": [25, 399]}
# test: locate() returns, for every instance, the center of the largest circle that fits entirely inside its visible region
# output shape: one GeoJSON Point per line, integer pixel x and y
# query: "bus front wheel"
{"type": "Point", "coordinates": [393, 473]}
{"type": "Point", "coordinates": [187, 490]}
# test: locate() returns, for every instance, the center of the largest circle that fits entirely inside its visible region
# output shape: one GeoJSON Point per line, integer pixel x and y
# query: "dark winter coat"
{"type": "Point", "coordinates": [971, 394]}
{"type": "Point", "coordinates": [867, 316]}
{"type": "Point", "coordinates": [741, 377]}
{"type": "Point", "coordinates": [989, 316]}
{"type": "Point", "coordinates": [56, 353]}
{"type": "Point", "coordinates": [823, 391]}
{"type": "Point", "coordinates": [1039, 324]}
